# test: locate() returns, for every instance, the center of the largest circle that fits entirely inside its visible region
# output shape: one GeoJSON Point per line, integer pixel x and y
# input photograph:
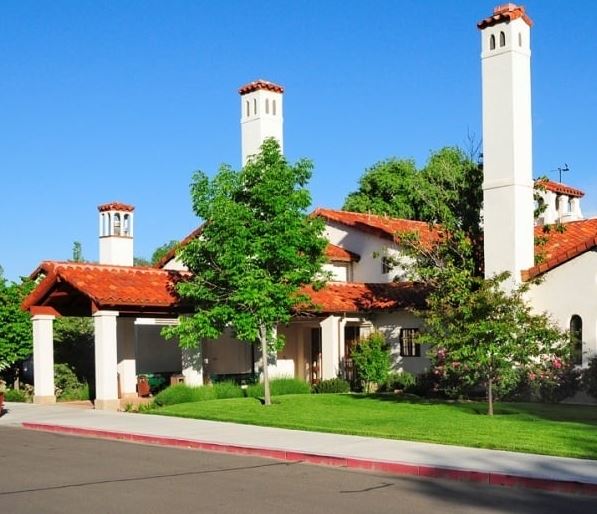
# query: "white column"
{"type": "Point", "coordinates": [43, 359]}
{"type": "Point", "coordinates": [106, 386]}
{"type": "Point", "coordinates": [330, 336]}
{"type": "Point", "coordinates": [127, 364]}
{"type": "Point", "coordinates": [192, 365]}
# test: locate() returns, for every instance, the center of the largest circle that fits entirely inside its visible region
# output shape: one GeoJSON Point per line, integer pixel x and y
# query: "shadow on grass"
{"type": "Point", "coordinates": [583, 414]}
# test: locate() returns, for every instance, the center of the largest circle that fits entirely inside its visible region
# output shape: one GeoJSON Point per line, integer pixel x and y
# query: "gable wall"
{"type": "Point", "coordinates": [571, 289]}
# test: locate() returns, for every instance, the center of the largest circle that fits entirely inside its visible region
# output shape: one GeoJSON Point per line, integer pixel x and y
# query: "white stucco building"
{"type": "Point", "coordinates": [130, 305]}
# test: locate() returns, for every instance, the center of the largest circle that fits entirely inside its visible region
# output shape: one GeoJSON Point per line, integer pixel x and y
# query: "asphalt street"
{"type": "Point", "coordinates": [48, 473]}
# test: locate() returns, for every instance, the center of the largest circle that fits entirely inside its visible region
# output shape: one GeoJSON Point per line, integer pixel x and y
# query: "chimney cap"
{"type": "Point", "coordinates": [260, 84]}
{"type": "Point", "coordinates": [115, 206]}
{"type": "Point", "coordinates": [505, 13]}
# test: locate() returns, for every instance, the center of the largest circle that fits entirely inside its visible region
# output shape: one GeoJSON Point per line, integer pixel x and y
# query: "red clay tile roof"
{"type": "Point", "coordinates": [338, 297]}
{"type": "Point", "coordinates": [106, 286]}
{"type": "Point", "coordinates": [338, 254]}
{"type": "Point", "coordinates": [115, 206]}
{"type": "Point", "coordinates": [505, 13]}
{"type": "Point", "coordinates": [577, 237]}
{"type": "Point", "coordinates": [260, 84]}
{"type": "Point", "coordinates": [558, 187]}
{"type": "Point", "coordinates": [381, 226]}
{"type": "Point", "coordinates": [148, 290]}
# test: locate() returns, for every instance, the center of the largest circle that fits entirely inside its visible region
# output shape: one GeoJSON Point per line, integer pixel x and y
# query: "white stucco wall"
{"type": "Point", "coordinates": [371, 249]}
{"type": "Point", "coordinates": [175, 265]}
{"type": "Point", "coordinates": [571, 289]}
{"type": "Point", "coordinates": [390, 324]}
{"type": "Point", "coordinates": [340, 271]}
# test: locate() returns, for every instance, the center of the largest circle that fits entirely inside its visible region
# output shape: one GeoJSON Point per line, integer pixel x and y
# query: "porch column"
{"type": "Point", "coordinates": [106, 387]}
{"type": "Point", "coordinates": [127, 364]}
{"type": "Point", "coordinates": [192, 365]}
{"type": "Point", "coordinates": [43, 359]}
{"type": "Point", "coordinates": [330, 336]}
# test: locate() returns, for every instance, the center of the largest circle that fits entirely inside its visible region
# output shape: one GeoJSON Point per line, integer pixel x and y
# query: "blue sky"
{"type": "Point", "coordinates": [123, 100]}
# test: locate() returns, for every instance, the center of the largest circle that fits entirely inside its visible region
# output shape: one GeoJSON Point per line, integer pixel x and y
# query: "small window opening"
{"type": "Point", "coordinates": [274, 107]}
{"type": "Point", "coordinates": [126, 225]}
{"type": "Point", "coordinates": [502, 39]}
{"type": "Point", "coordinates": [117, 225]}
{"type": "Point", "coordinates": [492, 42]}
{"type": "Point", "coordinates": [267, 106]}
{"type": "Point", "coordinates": [248, 108]}
{"type": "Point", "coordinates": [408, 343]}
{"type": "Point", "coordinates": [255, 106]}
{"type": "Point", "coordinates": [576, 339]}
{"type": "Point", "coordinates": [520, 39]}
{"type": "Point", "coordinates": [386, 265]}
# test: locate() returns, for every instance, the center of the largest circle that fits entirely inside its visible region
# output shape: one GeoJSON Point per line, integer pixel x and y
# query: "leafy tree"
{"type": "Point", "coordinates": [372, 360]}
{"type": "Point", "coordinates": [15, 324]}
{"type": "Point", "coordinates": [74, 345]}
{"type": "Point", "coordinates": [162, 250]}
{"type": "Point", "coordinates": [257, 248]}
{"type": "Point", "coordinates": [77, 252]}
{"type": "Point", "coordinates": [141, 261]}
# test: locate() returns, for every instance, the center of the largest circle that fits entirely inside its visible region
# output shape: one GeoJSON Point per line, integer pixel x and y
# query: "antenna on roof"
{"type": "Point", "coordinates": [560, 170]}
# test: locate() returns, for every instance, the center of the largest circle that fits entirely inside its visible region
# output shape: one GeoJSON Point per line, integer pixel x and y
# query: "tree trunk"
{"type": "Point", "coordinates": [264, 357]}
{"type": "Point", "coordinates": [490, 397]}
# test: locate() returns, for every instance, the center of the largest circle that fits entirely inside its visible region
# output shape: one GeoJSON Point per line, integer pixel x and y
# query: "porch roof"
{"type": "Point", "coordinates": [79, 289]}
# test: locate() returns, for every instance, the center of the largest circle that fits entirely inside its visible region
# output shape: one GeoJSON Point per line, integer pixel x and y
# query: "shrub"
{"type": "Point", "coordinates": [559, 384]}
{"type": "Point", "coordinates": [80, 393]}
{"type": "Point", "coordinates": [66, 383]}
{"type": "Point", "coordinates": [227, 389]}
{"type": "Point", "coordinates": [332, 385]}
{"type": "Point", "coordinates": [16, 395]}
{"type": "Point", "coordinates": [403, 381]}
{"type": "Point", "coordinates": [372, 360]}
{"type": "Point", "coordinates": [182, 393]}
{"type": "Point", "coordinates": [279, 387]}
{"type": "Point", "coordinates": [589, 377]}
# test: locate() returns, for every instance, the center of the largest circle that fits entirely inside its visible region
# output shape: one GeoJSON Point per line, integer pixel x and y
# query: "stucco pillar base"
{"type": "Point", "coordinates": [107, 404]}
{"type": "Point", "coordinates": [44, 400]}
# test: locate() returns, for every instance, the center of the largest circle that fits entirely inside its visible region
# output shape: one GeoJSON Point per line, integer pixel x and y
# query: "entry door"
{"type": "Point", "coordinates": [351, 338]}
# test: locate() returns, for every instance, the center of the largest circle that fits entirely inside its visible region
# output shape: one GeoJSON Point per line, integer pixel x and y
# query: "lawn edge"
{"type": "Point", "coordinates": [390, 467]}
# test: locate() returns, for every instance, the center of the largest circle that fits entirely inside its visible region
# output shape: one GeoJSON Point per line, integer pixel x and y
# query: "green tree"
{"type": "Point", "coordinates": [77, 252]}
{"type": "Point", "coordinates": [372, 361]}
{"type": "Point", "coordinates": [257, 248]}
{"type": "Point", "coordinates": [15, 324]}
{"type": "Point", "coordinates": [162, 250]}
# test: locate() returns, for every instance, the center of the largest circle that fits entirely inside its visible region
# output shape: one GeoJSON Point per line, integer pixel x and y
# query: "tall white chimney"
{"type": "Point", "coordinates": [261, 116]}
{"type": "Point", "coordinates": [507, 142]}
{"type": "Point", "coordinates": [116, 234]}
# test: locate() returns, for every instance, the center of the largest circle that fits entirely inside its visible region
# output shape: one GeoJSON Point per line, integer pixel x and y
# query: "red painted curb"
{"type": "Point", "coordinates": [391, 467]}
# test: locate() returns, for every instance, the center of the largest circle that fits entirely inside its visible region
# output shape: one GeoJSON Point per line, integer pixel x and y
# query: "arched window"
{"type": "Point", "coordinates": [576, 339]}
{"type": "Point", "coordinates": [267, 106]}
{"type": "Point", "coordinates": [274, 107]}
{"type": "Point", "coordinates": [502, 39]}
{"type": "Point", "coordinates": [254, 105]}
{"type": "Point", "coordinates": [248, 109]}
{"type": "Point", "coordinates": [520, 39]}
{"type": "Point", "coordinates": [492, 42]}
{"type": "Point", "coordinates": [126, 225]}
{"type": "Point", "coordinates": [117, 224]}
{"type": "Point", "coordinates": [108, 225]}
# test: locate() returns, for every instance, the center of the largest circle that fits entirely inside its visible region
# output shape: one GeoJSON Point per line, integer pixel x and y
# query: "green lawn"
{"type": "Point", "coordinates": [562, 430]}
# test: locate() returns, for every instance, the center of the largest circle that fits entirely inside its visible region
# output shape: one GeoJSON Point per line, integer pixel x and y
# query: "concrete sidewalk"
{"type": "Point", "coordinates": [399, 457]}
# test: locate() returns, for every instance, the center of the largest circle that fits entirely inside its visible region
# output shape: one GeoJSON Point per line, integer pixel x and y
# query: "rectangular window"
{"type": "Point", "coordinates": [408, 343]}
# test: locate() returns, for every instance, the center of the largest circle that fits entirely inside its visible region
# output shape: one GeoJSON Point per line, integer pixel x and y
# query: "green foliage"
{"type": "Point", "coordinates": [403, 381]}
{"type": "Point", "coordinates": [559, 382]}
{"type": "Point", "coordinates": [182, 393]}
{"type": "Point", "coordinates": [162, 250]}
{"type": "Point", "coordinates": [15, 324]}
{"type": "Point", "coordinates": [280, 387]}
{"type": "Point", "coordinates": [77, 252]}
{"type": "Point", "coordinates": [257, 248]}
{"type": "Point", "coordinates": [67, 385]}
{"type": "Point", "coordinates": [332, 385]}
{"type": "Point", "coordinates": [16, 395]}
{"type": "Point", "coordinates": [74, 346]}
{"type": "Point", "coordinates": [227, 389]}
{"type": "Point", "coordinates": [371, 359]}
{"type": "Point", "coordinates": [589, 378]}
